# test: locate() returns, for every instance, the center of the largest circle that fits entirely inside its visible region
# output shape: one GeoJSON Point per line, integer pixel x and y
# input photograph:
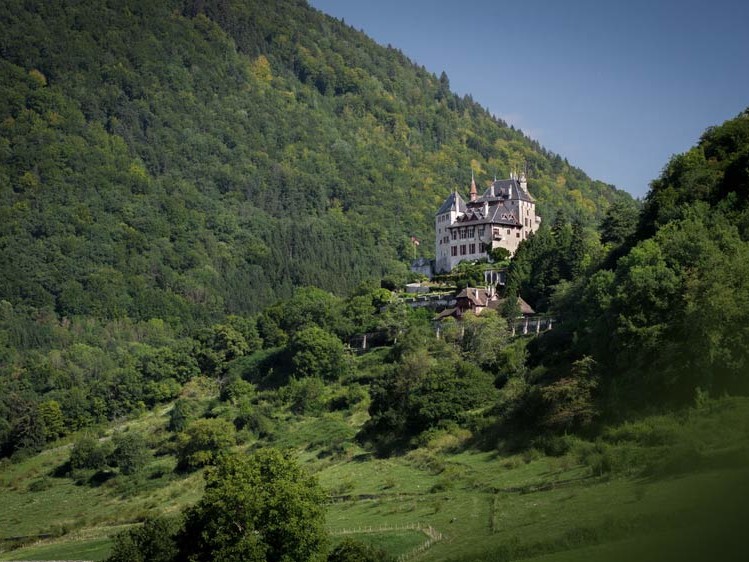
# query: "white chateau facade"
{"type": "Point", "coordinates": [500, 218]}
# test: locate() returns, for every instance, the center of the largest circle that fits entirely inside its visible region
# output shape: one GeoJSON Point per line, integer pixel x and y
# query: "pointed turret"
{"type": "Point", "coordinates": [474, 192]}
{"type": "Point", "coordinates": [523, 182]}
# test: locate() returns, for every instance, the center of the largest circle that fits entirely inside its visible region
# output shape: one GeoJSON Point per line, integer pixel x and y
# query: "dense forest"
{"type": "Point", "coordinates": [164, 165]}
{"type": "Point", "coordinates": [203, 203]}
{"type": "Point", "coordinates": [653, 320]}
{"type": "Point", "coordinates": [185, 161]}
{"type": "Point", "coordinates": [663, 313]}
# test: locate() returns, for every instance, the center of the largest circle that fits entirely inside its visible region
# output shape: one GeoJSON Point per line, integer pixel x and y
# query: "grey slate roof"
{"type": "Point", "coordinates": [448, 204]}
{"type": "Point", "coordinates": [498, 213]}
{"type": "Point", "coordinates": [501, 214]}
{"type": "Point", "coordinates": [506, 189]}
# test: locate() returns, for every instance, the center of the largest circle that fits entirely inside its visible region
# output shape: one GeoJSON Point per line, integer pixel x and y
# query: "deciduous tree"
{"type": "Point", "coordinates": [258, 508]}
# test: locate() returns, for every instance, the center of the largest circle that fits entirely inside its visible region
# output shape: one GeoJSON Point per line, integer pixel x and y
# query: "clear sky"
{"type": "Point", "coordinates": [615, 86]}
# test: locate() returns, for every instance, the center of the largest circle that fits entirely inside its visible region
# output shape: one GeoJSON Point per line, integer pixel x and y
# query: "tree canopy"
{"type": "Point", "coordinates": [261, 507]}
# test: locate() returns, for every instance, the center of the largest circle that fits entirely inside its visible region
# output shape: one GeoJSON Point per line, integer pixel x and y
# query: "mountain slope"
{"type": "Point", "coordinates": [186, 160]}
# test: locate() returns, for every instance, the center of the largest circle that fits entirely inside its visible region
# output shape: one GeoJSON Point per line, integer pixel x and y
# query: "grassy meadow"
{"type": "Point", "coordinates": [637, 491]}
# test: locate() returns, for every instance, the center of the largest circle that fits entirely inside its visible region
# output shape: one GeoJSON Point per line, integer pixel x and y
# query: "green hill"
{"type": "Point", "coordinates": [174, 175]}
{"type": "Point", "coordinates": [182, 160]}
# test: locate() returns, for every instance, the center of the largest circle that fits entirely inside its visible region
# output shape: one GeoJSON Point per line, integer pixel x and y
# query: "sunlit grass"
{"type": "Point", "coordinates": [487, 506]}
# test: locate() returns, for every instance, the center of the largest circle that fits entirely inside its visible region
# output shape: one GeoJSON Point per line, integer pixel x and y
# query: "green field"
{"type": "Point", "coordinates": [652, 501]}
{"type": "Point", "coordinates": [92, 549]}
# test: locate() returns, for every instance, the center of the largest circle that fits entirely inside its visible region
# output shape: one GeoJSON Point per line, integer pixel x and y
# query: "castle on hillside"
{"type": "Point", "coordinates": [500, 218]}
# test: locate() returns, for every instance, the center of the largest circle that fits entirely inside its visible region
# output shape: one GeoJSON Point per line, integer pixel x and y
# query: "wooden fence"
{"type": "Point", "coordinates": [432, 534]}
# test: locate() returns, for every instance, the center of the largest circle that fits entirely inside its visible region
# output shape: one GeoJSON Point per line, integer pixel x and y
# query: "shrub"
{"type": "Point", "coordinates": [88, 454]}
{"type": "Point", "coordinates": [154, 541]}
{"type": "Point", "coordinates": [161, 391]}
{"type": "Point", "coordinates": [348, 397]}
{"type": "Point", "coordinates": [317, 353]}
{"type": "Point", "coordinates": [202, 441]}
{"type": "Point", "coordinates": [306, 395]}
{"type": "Point", "coordinates": [555, 445]}
{"type": "Point", "coordinates": [40, 485]}
{"type": "Point", "coordinates": [130, 453]}
{"type": "Point", "coordinates": [237, 389]}
{"type": "Point", "coordinates": [442, 485]}
{"type": "Point", "coordinates": [426, 460]}
{"type": "Point", "coordinates": [530, 455]}
{"type": "Point", "coordinates": [254, 419]}
{"type": "Point", "coordinates": [182, 413]}
{"type": "Point", "coordinates": [652, 432]}
{"type": "Point", "coordinates": [448, 439]}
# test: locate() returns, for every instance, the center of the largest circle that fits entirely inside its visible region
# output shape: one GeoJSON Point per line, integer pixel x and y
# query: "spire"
{"type": "Point", "coordinates": [474, 192]}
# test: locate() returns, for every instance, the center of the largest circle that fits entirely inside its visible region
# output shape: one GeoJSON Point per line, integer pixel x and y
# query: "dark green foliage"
{"type": "Point", "coordinates": [448, 394]}
{"type": "Point", "coordinates": [130, 452]}
{"type": "Point", "coordinates": [307, 307]}
{"type": "Point", "coordinates": [570, 400]}
{"type": "Point", "coordinates": [82, 371]}
{"type": "Point", "coordinates": [711, 172]}
{"type": "Point", "coordinates": [154, 541]}
{"type": "Point", "coordinates": [51, 417]}
{"type": "Point", "coordinates": [552, 255]}
{"type": "Point", "coordinates": [619, 223]}
{"type": "Point", "coordinates": [177, 363]}
{"type": "Point", "coordinates": [203, 441]}
{"type": "Point", "coordinates": [268, 367]}
{"type": "Point", "coordinates": [167, 172]}
{"type": "Point", "coordinates": [667, 321]}
{"type": "Point", "coordinates": [221, 344]}
{"type": "Point", "coordinates": [255, 419]}
{"type": "Point", "coordinates": [88, 454]}
{"type": "Point", "coordinates": [182, 413]}
{"type": "Point", "coordinates": [261, 507]}
{"type": "Point", "coordinates": [423, 389]}
{"type": "Point", "coordinates": [360, 312]}
{"type": "Point", "coordinates": [317, 353]}
{"type": "Point", "coordinates": [305, 395]}
{"type": "Point", "coordinates": [195, 164]}
{"type": "Point", "coordinates": [484, 339]}
{"type": "Point", "coordinates": [467, 274]}
{"type": "Point", "coordinates": [237, 390]}
{"type": "Point", "coordinates": [499, 254]}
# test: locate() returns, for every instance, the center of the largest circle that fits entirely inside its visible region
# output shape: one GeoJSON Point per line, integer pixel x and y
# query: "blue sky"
{"type": "Point", "coordinates": [617, 87]}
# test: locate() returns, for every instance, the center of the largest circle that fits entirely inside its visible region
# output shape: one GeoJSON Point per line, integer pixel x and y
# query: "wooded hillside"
{"type": "Point", "coordinates": [186, 160]}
